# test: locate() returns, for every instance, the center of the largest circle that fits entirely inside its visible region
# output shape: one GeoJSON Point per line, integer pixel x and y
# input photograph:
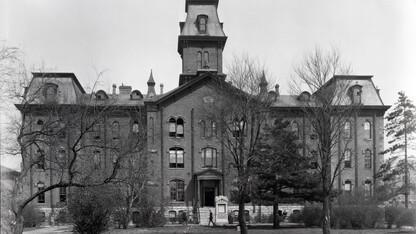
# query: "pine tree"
{"type": "Point", "coordinates": [401, 126]}
{"type": "Point", "coordinates": [281, 173]}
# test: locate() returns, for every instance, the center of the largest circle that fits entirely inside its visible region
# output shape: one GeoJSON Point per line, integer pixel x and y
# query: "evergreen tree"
{"type": "Point", "coordinates": [281, 173]}
{"type": "Point", "coordinates": [401, 126]}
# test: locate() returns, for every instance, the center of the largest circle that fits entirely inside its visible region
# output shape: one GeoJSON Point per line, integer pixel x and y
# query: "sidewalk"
{"type": "Point", "coordinates": [53, 229]}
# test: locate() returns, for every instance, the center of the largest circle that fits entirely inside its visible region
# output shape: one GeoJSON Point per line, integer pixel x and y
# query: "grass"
{"type": "Point", "coordinates": [201, 229]}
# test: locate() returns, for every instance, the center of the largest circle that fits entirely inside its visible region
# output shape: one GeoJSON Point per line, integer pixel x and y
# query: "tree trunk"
{"type": "Point", "coordinates": [326, 228]}
{"type": "Point", "coordinates": [18, 226]}
{"type": "Point", "coordinates": [276, 221]}
{"type": "Point", "coordinates": [241, 220]}
{"type": "Point", "coordinates": [126, 219]}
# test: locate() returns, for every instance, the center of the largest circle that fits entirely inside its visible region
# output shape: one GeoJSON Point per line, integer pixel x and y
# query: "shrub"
{"type": "Point", "coordinates": [295, 217]}
{"type": "Point", "coordinates": [311, 216]}
{"type": "Point", "coordinates": [230, 218]}
{"type": "Point", "coordinates": [391, 214]}
{"type": "Point", "coordinates": [90, 209]}
{"type": "Point", "coordinates": [149, 216]}
{"type": "Point", "coordinates": [407, 218]}
{"type": "Point", "coordinates": [354, 216]}
{"type": "Point", "coordinates": [32, 218]}
{"type": "Point", "coordinates": [62, 217]}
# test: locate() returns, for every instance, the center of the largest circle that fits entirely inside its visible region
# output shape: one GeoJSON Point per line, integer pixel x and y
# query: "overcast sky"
{"type": "Point", "coordinates": [127, 38]}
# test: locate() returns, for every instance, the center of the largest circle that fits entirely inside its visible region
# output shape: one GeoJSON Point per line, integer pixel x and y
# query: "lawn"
{"type": "Point", "coordinates": [200, 229]}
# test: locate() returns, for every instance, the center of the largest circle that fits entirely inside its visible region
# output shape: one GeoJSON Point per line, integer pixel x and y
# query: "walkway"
{"type": "Point", "coordinates": [53, 229]}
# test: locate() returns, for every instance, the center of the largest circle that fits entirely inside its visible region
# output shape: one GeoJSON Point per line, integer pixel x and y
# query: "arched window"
{"type": "Point", "coordinates": [62, 194]}
{"type": "Point", "coordinates": [347, 130]}
{"type": "Point", "coordinates": [177, 190]}
{"type": "Point", "coordinates": [209, 157]}
{"type": "Point", "coordinates": [355, 94]}
{"type": "Point", "coordinates": [367, 188]}
{"type": "Point", "coordinates": [202, 25]}
{"type": "Point", "coordinates": [135, 128]}
{"type": "Point", "coordinates": [41, 159]}
{"type": "Point", "coordinates": [348, 185]}
{"type": "Point", "coordinates": [50, 92]}
{"type": "Point", "coordinates": [313, 131]}
{"type": "Point", "coordinates": [367, 158]}
{"type": "Point", "coordinates": [172, 127]}
{"type": "Point", "coordinates": [179, 127]}
{"type": "Point", "coordinates": [206, 60]}
{"type": "Point", "coordinates": [41, 197]}
{"type": "Point", "coordinates": [202, 128]}
{"type": "Point", "coordinates": [172, 216]}
{"type": "Point", "coordinates": [97, 131]}
{"type": "Point", "coordinates": [115, 130]}
{"type": "Point", "coordinates": [199, 60]}
{"type": "Point", "coordinates": [314, 162]}
{"type": "Point", "coordinates": [97, 160]}
{"type": "Point", "coordinates": [347, 158]}
{"type": "Point", "coordinates": [152, 130]}
{"type": "Point", "coordinates": [39, 122]}
{"type": "Point", "coordinates": [176, 157]}
{"type": "Point", "coordinates": [214, 128]}
{"type": "Point", "coordinates": [367, 130]}
{"type": "Point", "coordinates": [295, 129]}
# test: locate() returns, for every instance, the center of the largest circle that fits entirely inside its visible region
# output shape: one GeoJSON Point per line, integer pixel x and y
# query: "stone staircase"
{"type": "Point", "coordinates": [204, 215]}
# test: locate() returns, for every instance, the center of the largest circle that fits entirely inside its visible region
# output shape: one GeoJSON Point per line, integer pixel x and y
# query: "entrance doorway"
{"type": "Point", "coordinates": [209, 197]}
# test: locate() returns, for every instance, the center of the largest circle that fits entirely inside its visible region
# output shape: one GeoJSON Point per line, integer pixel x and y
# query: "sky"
{"type": "Point", "coordinates": [128, 38]}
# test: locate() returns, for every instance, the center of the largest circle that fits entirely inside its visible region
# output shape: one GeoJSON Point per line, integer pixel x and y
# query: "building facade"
{"type": "Point", "coordinates": [188, 166]}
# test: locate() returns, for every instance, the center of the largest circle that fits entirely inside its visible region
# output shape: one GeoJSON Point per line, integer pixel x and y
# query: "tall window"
{"type": "Point", "coordinates": [367, 159]}
{"type": "Point", "coordinates": [313, 131]}
{"type": "Point", "coordinates": [176, 157]}
{"type": "Point", "coordinates": [115, 130]}
{"type": "Point", "coordinates": [41, 161]}
{"type": "Point", "coordinates": [97, 160]}
{"type": "Point", "coordinates": [62, 157]}
{"type": "Point", "coordinates": [213, 128]}
{"type": "Point", "coordinates": [347, 158]}
{"type": "Point", "coordinates": [347, 130]}
{"type": "Point", "coordinates": [177, 190]}
{"type": "Point", "coordinates": [203, 25]}
{"type": "Point", "coordinates": [348, 185]}
{"type": "Point", "coordinates": [62, 194]}
{"type": "Point", "coordinates": [314, 162]}
{"type": "Point", "coordinates": [50, 92]}
{"type": "Point", "coordinates": [41, 197]}
{"type": "Point", "coordinates": [355, 94]}
{"type": "Point", "coordinates": [206, 60]}
{"type": "Point", "coordinates": [199, 60]}
{"type": "Point", "coordinates": [172, 127]}
{"type": "Point", "coordinates": [367, 188]}
{"type": "Point", "coordinates": [202, 127]}
{"type": "Point", "coordinates": [295, 129]}
{"type": "Point", "coordinates": [176, 127]}
{"type": "Point", "coordinates": [367, 130]}
{"type": "Point", "coordinates": [152, 130]}
{"type": "Point", "coordinates": [96, 131]}
{"type": "Point", "coordinates": [209, 157]}
{"type": "Point", "coordinates": [135, 128]}
{"type": "Point", "coordinates": [179, 127]}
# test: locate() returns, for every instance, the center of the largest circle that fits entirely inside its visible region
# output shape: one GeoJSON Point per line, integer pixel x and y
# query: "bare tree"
{"type": "Point", "coordinates": [72, 139]}
{"type": "Point", "coordinates": [329, 110]}
{"type": "Point", "coordinates": [240, 112]}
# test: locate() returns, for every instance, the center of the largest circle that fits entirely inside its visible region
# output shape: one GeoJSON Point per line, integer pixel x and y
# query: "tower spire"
{"type": "Point", "coordinates": [151, 87]}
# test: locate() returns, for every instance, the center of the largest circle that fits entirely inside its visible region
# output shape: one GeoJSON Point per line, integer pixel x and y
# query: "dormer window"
{"type": "Point", "coordinates": [304, 96]}
{"type": "Point", "coordinates": [202, 24]}
{"type": "Point", "coordinates": [50, 92]}
{"type": "Point", "coordinates": [136, 95]}
{"type": "Point", "coordinates": [101, 95]}
{"type": "Point", "coordinates": [355, 94]}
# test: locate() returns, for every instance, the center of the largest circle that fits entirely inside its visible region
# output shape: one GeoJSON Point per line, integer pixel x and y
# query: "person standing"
{"type": "Point", "coordinates": [211, 218]}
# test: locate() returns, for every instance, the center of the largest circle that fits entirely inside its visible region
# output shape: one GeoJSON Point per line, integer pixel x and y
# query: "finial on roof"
{"type": "Point", "coordinates": [263, 79]}
{"type": "Point", "coordinates": [151, 81]}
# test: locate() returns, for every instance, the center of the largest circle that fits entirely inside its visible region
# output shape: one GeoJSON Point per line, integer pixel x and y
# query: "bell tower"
{"type": "Point", "coordinates": [201, 41]}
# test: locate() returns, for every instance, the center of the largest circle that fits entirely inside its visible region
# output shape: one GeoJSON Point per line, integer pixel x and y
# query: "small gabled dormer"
{"type": "Point", "coordinates": [136, 95]}
{"type": "Point", "coordinates": [354, 92]}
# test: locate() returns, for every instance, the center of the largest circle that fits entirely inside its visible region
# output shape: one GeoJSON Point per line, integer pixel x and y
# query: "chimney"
{"type": "Point", "coordinates": [124, 90]}
{"type": "Point", "coordinates": [161, 88]}
{"type": "Point", "coordinates": [277, 90]}
{"type": "Point", "coordinates": [378, 91]}
{"type": "Point", "coordinates": [114, 89]}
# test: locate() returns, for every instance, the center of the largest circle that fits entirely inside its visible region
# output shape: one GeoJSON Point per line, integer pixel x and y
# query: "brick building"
{"type": "Point", "coordinates": [188, 166]}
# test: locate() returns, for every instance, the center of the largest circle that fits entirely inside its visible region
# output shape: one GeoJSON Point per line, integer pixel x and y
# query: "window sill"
{"type": "Point", "coordinates": [176, 168]}
{"type": "Point", "coordinates": [181, 203]}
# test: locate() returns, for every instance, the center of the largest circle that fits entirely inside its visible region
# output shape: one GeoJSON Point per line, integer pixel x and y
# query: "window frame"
{"type": "Point", "coordinates": [348, 182]}
{"type": "Point", "coordinates": [214, 157]}
{"type": "Point", "coordinates": [177, 190]}
{"type": "Point", "coordinates": [202, 22]}
{"type": "Point", "coordinates": [97, 160]}
{"type": "Point", "coordinates": [115, 130]}
{"type": "Point", "coordinates": [41, 196]}
{"type": "Point", "coordinates": [347, 163]}
{"type": "Point", "coordinates": [174, 164]}
{"type": "Point", "coordinates": [62, 194]}
{"type": "Point", "coordinates": [368, 132]}
{"type": "Point", "coordinates": [368, 153]}
{"type": "Point", "coordinates": [41, 159]}
{"type": "Point", "coordinates": [347, 130]}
